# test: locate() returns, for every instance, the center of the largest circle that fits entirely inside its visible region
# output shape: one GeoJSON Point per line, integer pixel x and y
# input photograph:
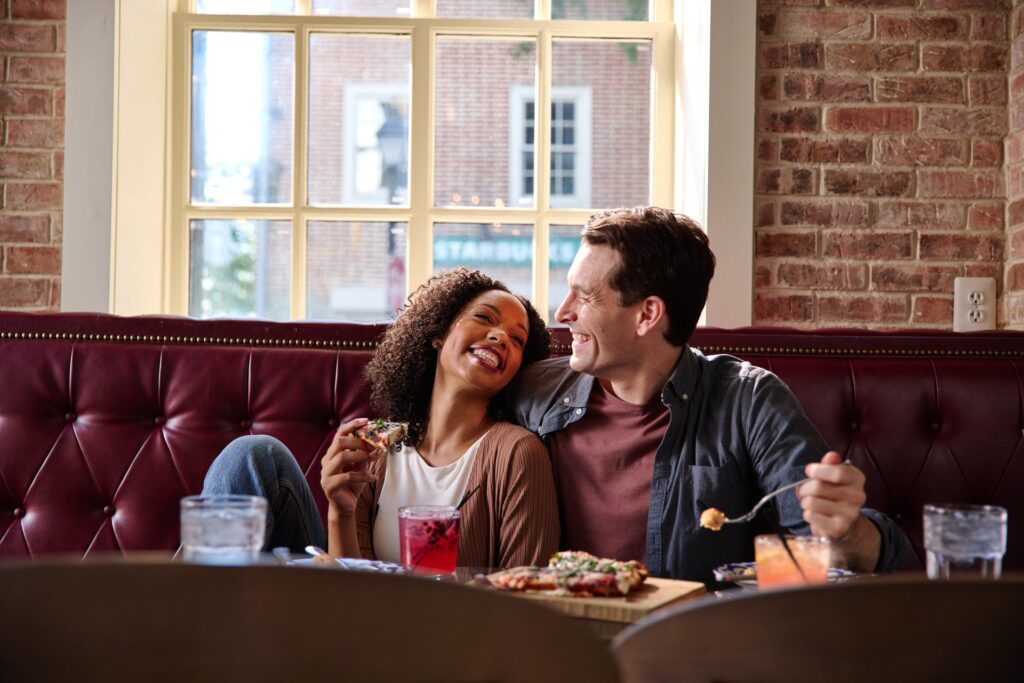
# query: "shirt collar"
{"type": "Point", "coordinates": [683, 382]}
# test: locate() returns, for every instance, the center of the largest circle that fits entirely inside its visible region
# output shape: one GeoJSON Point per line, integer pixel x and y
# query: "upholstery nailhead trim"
{"type": "Point", "coordinates": [811, 351]}
{"type": "Point", "coordinates": [190, 341]}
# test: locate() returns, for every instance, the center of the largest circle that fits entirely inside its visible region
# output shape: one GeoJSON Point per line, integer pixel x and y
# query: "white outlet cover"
{"type": "Point", "coordinates": [974, 304]}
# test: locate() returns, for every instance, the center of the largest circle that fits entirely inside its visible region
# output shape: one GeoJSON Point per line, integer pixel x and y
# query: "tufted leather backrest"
{"type": "Point", "coordinates": [106, 422]}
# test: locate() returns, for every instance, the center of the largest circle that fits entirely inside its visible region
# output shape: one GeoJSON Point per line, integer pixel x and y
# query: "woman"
{"type": "Point", "coordinates": [441, 368]}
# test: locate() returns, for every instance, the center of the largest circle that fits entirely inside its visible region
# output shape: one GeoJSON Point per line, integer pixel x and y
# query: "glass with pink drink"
{"type": "Point", "coordinates": [429, 539]}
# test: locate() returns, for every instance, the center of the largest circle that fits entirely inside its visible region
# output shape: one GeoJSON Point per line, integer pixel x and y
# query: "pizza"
{"type": "Point", "coordinates": [576, 574]}
{"type": "Point", "coordinates": [382, 434]}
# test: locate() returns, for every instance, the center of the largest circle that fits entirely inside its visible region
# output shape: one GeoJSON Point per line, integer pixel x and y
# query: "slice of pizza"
{"type": "Point", "coordinates": [382, 434]}
{"type": "Point", "coordinates": [574, 574]}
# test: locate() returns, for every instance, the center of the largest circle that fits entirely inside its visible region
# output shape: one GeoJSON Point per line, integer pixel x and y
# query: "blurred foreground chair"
{"type": "Point", "coordinates": [873, 629]}
{"type": "Point", "coordinates": [174, 622]}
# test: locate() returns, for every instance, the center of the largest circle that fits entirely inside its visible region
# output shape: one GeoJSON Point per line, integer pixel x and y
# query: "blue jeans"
{"type": "Point", "coordinates": [260, 465]}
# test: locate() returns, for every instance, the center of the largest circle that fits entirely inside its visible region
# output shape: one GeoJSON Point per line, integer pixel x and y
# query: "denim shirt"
{"type": "Point", "coordinates": [735, 432]}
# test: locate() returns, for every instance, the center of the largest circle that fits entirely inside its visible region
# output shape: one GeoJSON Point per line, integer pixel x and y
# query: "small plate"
{"type": "Point", "coordinates": [353, 564]}
{"type": "Point", "coordinates": [744, 574]}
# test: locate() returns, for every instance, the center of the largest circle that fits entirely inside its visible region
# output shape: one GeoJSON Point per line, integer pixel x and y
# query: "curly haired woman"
{"type": "Point", "coordinates": [441, 368]}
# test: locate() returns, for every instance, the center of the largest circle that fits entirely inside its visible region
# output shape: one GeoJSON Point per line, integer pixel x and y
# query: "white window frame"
{"type": "Point", "coordinates": [710, 114]}
{"type": "Point", "coordinates": [580, 96]}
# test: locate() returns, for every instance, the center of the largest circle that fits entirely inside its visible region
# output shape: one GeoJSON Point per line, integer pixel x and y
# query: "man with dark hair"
{"type": "Point", "coordinates": [645, 432]}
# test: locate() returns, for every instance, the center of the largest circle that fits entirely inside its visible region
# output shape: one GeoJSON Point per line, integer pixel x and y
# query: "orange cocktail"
{"type": "Point", "coordinates": [775, 568]}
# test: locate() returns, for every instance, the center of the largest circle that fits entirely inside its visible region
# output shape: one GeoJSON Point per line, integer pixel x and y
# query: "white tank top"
{"type": "Point", "coordinates": [409, 480]}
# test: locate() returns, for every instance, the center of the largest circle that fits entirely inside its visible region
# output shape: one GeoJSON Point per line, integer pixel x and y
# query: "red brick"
{"type": "Point", "coordinates": [868, 245]}
{"type": "Point", "coordinates": [790, 56]}
{"type": "Point", "coordinates": [933, 309]}
{"type": "Point", "coordinates": [792, 120]}
{"type": "Point", "coordinates": [24, 164]}
{"type": "Point", "coordinates": [765, 213]}
{"type": "Point", "coordinates": [33, 196]}
{"type": "Point", "coordinates": [872, 3]}
{"type": "Point", "coordinates": [783, 308]}
{"type": "Point", "coordinates": [825, 214]}
{"type": "Point", "coordinates": [1017, 87]}
{"type": "Point", "coordinates": [1015, 181]}
{"type": "Point", "coordinates": [38, 9]}
{"type": "Point", "coordinates": [986, 152]}
{"type": "Point", "coordinates": [43, 260]}
{"type": "Point", "coordinates": [768, 87]}
{"type": "Point", "coordinates": [35, 133]}
{"type": "Point", "coordinates": [57, 227]}
{"type": "Point", "coordinates": [990, 27]}
{"type": "Point", "coordinates": [762, 277]}
{"type": "Point", "coordinates": [929, 215]}
{"type": "Point", "coordinates": [790, 3]}
{"type": "Point", "coordinates": [869, 119]}
{"type": "Point", "coordinates": [869, 183]}
{"type": "Point", "coordinates": [58, 165]}
{"type": "Point", "coordinates": [766, 22]}
{"type": "Point", "coordinates": [1016, 52]}
{"type": "Point", "coordinates": [920, 89]}
{"type": "Point", "coordinates": [986, 90]}
{"type": "Point", "coordinates": [1014, 311]}
{"type": "Point", "coordinates": [1015, 147]}
{"type": "Point", "coordinates": [920, 27]}
{"type": "Point", "coordinates": [810, 276]}
{"type": "Point", "coordinates": [954, 247]}
{"type": "Point", "coordinates": [786, 181]}
{"type": "Point", "coordinates": [1016, 115]}
{"type": "Point", "coordinates": [58, 102]}
{"type": "Point", "coordinates": [961, 184]}
{"type": "Point", "coordinates": [992, 270]}
{"type": "Point", "coordinates": [31, 228]}
{"type": "Point", "coordinates": [871, 57]}
{"type": "Point", "coordinates": [915, 151]}
{"type": "Point", "coordinates": [24, 292]}
{"type": "Point", "coordinates": [25, 101]}
{"type": "Point", "coordinates": [963, 121]}
{"type": "Point", "coordinates": [913, 278]}
{"type": "Point", "coordinates": [17, 37]}
{"type": "Point", "coordinates": [862, 309]}
{"type": "Point", "coordinates": [1016, 213]}
{"type": "Point", "coordinates": [803, 86]}
{"type": "Point", "coordinates": [768, 149]}
{"type": "Point", "coordinates": [965, 4]}
{"type": "Point", "coordinates": [985, 217]}
{"type": "Point", "coordinates": [44, 70]}
{"type": "Point", "coordinates": [817, 24]}
{"type": "Point", "coordinates": [963, 58]}
{"type": "Point", "coordinates": [55, 294]}
{"type": "Point", "coordinates": [1015, 277]}
{"type": "Point", "coordinates": [827, 151]}
{"type": "Point", "coordinates": [1017, 244]}
{"type": "Point", "coordinates": [799, 244]}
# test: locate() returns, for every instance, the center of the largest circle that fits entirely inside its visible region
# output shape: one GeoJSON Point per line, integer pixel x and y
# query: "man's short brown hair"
{"type": "Point", "coordinates": [663, 254]}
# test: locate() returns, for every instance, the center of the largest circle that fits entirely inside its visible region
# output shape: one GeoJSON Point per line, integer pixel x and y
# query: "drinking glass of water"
{"type": "Point", "coordinates": [964, 540]}
{"type": "Point", "coordinates": [222, 529]}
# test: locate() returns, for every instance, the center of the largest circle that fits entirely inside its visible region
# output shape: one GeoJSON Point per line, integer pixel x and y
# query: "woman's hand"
{"type": "Point", "coordinates": [343, 468]}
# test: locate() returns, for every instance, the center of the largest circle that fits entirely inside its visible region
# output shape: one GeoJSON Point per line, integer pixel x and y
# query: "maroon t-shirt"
{"type": "Point", "coordinates": [603, 464]}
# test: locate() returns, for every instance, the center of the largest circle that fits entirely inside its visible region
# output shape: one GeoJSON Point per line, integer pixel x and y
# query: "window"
{"type": "Point", "coordinates": [332, 155]}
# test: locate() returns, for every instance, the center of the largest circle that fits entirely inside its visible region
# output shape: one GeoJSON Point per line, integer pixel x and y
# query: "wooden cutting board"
{"type": "Point", "coordinates": [654, 594]}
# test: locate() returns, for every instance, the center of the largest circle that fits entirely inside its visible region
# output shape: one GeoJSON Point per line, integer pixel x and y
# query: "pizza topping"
{"type": "Point", "coordinates": [574, 573]}
{"type": "Point", "coordinates": [382, 434]}
{"type": "Point", "coordinates": [712, 518]}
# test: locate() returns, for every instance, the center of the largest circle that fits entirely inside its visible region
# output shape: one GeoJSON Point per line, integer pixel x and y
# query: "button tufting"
{"type": "Point", "coordinates": [159, 420]}
{"type": "Point", "coordinates": [936, 426]}
{"type": "Point", "coordinates": [19, 512]}
{"type": "Point", "coordinates": [108, 510]}
{"type": "Point", "coordinates": [854, 425]}
{"type": "Point", "coordinates": [332, 423]}
{"type": "Point", "coordinates": [69, 417]}
{"type": "Point", "coordinates": [246, 424]}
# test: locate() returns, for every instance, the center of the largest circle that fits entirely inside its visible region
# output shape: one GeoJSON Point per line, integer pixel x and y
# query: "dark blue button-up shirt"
{"type": "Point", "coordinates": [735, 433]}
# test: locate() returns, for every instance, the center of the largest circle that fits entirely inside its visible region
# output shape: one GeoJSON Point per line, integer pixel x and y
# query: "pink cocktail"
{"type": "Point", "coordinates": [429, 538]}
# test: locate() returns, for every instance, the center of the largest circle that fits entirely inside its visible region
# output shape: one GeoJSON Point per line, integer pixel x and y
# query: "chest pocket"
{"type": "Point", "coordinates": [716, 486]}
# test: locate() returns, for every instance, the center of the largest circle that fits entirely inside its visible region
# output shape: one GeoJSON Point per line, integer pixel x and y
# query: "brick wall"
{"type": "Point", "coordinates": [1014, 276]}
{"type": "Point", "coordinates": [879, 171]}
{"type": "Point", "coordinates": [31, 152]}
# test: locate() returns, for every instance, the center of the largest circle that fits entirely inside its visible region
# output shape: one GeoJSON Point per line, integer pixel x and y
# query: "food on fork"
{"type": "Point", "coordinates": [575, 574]}
{"type": "Point", "coordinates": [382, 434]}
{"type": "Point", "coordinates": [712, 518]}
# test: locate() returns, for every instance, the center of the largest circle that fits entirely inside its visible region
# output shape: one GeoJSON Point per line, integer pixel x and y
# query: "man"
{"type": "Point", "coordinates": [645, 432]}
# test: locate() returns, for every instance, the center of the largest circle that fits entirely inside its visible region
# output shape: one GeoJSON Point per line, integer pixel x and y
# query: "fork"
{"type": "Point", "coordinates": [760, 504]}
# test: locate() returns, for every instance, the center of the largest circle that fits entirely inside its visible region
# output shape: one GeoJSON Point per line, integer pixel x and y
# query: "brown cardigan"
{"type": "Point", "coordinates": [511, 520]}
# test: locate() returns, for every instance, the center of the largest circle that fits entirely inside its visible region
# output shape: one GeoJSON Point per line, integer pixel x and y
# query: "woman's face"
{"type": "Point", "coordinates": [483, 348]}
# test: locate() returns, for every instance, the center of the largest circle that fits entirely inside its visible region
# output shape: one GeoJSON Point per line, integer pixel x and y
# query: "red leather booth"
{"type": "Point", "coordinates": [106, 422]}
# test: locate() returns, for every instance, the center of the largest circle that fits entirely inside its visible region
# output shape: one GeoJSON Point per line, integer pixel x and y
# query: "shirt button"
{"type": "Point", "coordinates": [579, 411]}
{"type": "Point", "coordinates": [686, 397]}
{"type": "Point", "coordinates": [565, 400]}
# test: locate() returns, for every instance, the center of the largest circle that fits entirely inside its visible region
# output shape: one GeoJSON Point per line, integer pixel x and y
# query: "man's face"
{"type": "Point", "coordinates": [603, 332]}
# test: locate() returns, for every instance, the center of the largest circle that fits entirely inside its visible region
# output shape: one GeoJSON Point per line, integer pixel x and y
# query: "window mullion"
{"type": "Point", "coordinates": [542, 8]}
{"type": "Point", "coordinates": [542, 170]}
{"type": "Point", "coordinates": [304, 7]}
{"type": "Point", "coordinates": [419, 259]}
{"type": "Point", "coordinates": [662, 171]}
{"type": "Point", "coordinates": [423, 8]}
{"type": "Point", "coordinates": [300, 175]}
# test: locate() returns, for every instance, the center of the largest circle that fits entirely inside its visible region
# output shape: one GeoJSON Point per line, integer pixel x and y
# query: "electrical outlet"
{"type": "Point", "coordinates": [974, 304]}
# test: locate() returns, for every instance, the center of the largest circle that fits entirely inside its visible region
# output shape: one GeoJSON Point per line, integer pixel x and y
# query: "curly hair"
{"type": "Point", "coordinates": [401, 372]}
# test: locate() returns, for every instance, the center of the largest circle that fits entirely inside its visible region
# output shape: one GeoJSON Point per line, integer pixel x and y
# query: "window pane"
{"type": "Point", "coordinates": [361, 8]}
{"type": "Point", "coordinates": [355, 270]}
{"type": "Point", "coordinates": [486, 9]}
{"type": "Point", "coordinates": [242, 117]}
{"type": "Point", "coordinates": [616, 10]}
{"type": "Point", "coordinates": [606, 88]}
{"type": "Point", "coordinates": [245, 6]}
{"type": "Point", "coordinates": [564, 241]}
{"type": "Point", "coordinates": [239, 268]}
{"type": "Point", "coordinates": [503, 251]}
{"type": "Point", "coordinates": [475, 79]}
{"type": "Point", "coordinates": [359, 119]}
